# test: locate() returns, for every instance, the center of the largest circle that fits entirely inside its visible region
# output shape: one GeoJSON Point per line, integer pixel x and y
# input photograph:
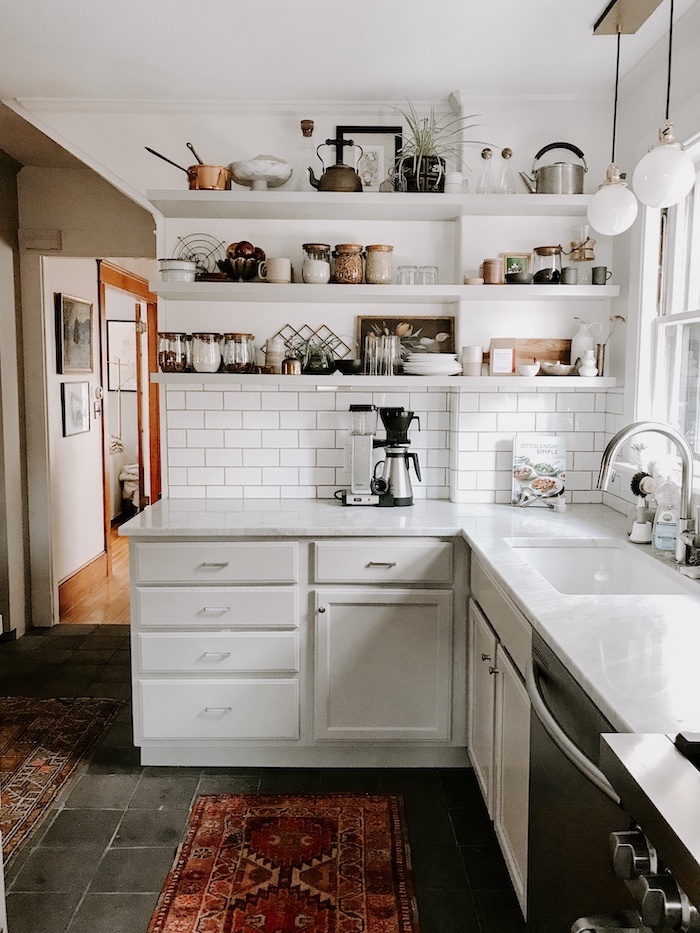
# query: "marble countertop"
{"type": "Point", "coordinates": [636, 656]}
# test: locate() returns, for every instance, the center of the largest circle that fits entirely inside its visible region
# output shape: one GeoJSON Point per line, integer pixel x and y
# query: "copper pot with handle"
{"type": "Point", "coordinates": [201, 177]}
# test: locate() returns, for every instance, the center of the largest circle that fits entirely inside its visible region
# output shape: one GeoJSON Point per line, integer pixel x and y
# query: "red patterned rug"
{"type": "Point", "coordinates": [312, 863]}
{"type": "Point", "coordinates": [41, 744]}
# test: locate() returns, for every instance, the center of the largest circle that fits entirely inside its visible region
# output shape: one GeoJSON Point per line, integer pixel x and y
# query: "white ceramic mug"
{"type": "Point", "coordinates": [471, 360]}
{"type": "Point", "coordinates": [277, 270]}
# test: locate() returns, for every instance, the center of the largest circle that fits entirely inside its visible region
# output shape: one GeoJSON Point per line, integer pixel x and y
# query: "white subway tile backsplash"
{"type": "Point", "coordinates": [249, 441]}
{"type": "Point", "coordinates": [245, 439]}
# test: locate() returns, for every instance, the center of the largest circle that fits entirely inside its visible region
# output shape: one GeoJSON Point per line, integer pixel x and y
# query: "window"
{"type": "Point", "coordinates": [677, 325]}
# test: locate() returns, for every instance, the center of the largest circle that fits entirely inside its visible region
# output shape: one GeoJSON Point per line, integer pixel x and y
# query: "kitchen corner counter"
{"type": "Point", "coordinates": [636, 656]}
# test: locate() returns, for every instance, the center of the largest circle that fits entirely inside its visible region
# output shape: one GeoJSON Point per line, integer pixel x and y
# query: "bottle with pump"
{"type": "Point", "coordinates": [666, 519]}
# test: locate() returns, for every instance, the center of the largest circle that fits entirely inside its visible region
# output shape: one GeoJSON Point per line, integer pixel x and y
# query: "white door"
{"type": "Point", "coordinates": [482, 680]}
{"type": "Point", "coordinates": [383, 662]}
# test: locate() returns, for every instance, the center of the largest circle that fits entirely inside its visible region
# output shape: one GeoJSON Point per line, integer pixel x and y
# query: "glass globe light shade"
{"type": "Point", "coordinates": [666, 174]}
{"type": "Point", "coordinates": [613, 208]}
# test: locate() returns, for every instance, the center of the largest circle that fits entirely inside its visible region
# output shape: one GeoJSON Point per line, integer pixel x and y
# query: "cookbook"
{"type": "Point", "coordinates": [539, 471]}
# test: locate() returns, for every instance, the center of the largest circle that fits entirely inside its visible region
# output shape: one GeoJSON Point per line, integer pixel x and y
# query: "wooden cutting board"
{"type": "Point", "coordinates": [548, 349]}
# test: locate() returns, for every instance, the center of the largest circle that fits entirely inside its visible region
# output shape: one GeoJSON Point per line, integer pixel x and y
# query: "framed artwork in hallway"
{"type": "Point", "coordinates": [75, 407]}
{"type": "Point", "coordinates": [74, 327]}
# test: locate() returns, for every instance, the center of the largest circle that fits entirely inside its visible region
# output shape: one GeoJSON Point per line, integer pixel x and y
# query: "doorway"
{"type": "Point", "coordinates": [130, 435]}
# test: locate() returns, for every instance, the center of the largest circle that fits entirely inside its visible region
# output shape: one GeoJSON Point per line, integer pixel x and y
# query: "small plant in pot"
{"type": "Point", "coordinates": [429, 142]}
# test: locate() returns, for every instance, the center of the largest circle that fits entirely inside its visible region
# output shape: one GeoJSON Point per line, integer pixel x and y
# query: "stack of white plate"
{"type": "Point", "coordinates": [432, 364]}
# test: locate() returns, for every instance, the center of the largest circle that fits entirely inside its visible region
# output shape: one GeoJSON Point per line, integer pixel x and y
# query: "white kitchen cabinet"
{"type": "Point", "coordinates": [481, 680]}
{"type": "Point", "coordinates": [499, 717]}
{"type": "Point", "coordinates": [383, 665]}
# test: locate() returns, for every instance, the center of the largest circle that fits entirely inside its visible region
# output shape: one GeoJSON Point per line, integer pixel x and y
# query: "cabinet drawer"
{"type": "Point", "coordinates": [376, 560]}
{"type": "Point", "coordinates": [217, 562]}
{"type": "Point", "coordinates": [221, 607]}
{"type": "Point", "coordinates": [511, 626]}
{"type": "Point", "coordinates": [213, 653]}
{"type": "Point", "coordinates": [217, 709]}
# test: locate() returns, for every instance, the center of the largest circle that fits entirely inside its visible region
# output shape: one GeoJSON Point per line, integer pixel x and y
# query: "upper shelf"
{"type": "Point", "coordinates": [381, 294]}
{"type": "Point", "coordinates": [366, 205]}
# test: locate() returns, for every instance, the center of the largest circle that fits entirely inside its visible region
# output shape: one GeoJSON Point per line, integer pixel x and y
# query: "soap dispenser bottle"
{"type": "Point", "coordinates": [666, 518]}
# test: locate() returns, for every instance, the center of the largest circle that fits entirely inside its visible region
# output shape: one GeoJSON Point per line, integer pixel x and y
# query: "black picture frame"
{"type": "Point", "coordinates": [422, 334]}
{"type": "Point", "coordinates": [74, 334]}
{"type": "Point", "coordinates": [75, 408]}
{"type": "Point", "coordinates": [383, 143]}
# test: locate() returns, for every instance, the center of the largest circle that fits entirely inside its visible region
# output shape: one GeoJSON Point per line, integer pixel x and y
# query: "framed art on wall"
{"type": "Point", "coordinates": [381, 146]}
{"type": "Point", "coordinates": [74, 326]}
{"type": "Point", "coordinates": [75, 407]}
{"type": "Point", "coordinates": [417, 334]}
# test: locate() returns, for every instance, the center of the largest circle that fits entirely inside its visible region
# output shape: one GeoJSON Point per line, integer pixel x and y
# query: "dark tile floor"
{"type": "Point", "coordinates": [100, 858]}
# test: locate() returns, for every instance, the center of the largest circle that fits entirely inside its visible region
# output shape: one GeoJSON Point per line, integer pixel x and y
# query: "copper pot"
{"type": "Point", "coordinates": [209, 178]}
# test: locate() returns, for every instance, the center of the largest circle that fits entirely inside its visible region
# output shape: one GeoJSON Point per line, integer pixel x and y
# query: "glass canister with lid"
{"type": "Point", "coordinates": [379, 264]}
{"type": "Point", "coordinates": [238, 353]}
{"type": "Point", "coordinates": [206, 352]}
{"type": "Point", "coordinates": [547, 265]}
{"type": "Point", "coordinates": [316, 264]}
{"type": "Point", "coordinates": [172, 352]}
{"type": "Point", "coordinates": [347, 266]}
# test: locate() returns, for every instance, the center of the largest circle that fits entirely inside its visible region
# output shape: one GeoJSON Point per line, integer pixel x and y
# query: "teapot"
{"type": "Point", "coordinates": [559, 177]}
{"type": "Point", "coordinates": [338, 177]}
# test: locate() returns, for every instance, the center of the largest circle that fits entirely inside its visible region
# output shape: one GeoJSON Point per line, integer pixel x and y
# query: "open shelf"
{"type": "Point", "coordinates": [366, 205]}
{"type": "Point", "coordinates": [341, 382]}
{"type": "Point", "coordinates": [380, 294]}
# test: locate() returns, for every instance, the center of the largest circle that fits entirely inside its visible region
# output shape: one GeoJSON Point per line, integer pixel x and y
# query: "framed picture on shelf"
{"type": "Point", "coordinates": [418, 334]}
{"type": "Point", "coordinates": [74, 325]}
{"type": "Point", "coordinates": [75, 407]}
{"type": "Point", "coordinates": [380, 144]}
{"type": "Point", "coordinates": [121, 356]}
{"type": "Point", "coordinates": [516, 262]}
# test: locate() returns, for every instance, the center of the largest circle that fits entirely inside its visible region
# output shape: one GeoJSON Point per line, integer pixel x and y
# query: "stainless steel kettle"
{"type": "Point", "coordinates": [559, 177]}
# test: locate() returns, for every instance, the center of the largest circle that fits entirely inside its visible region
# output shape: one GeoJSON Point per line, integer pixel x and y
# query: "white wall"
{"type": "Point", "coordinates": [76, 462]}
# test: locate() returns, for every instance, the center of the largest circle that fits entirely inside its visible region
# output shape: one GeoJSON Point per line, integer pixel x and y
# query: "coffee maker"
{"type": "Point", "coordinates": [363, 427]}
{"type": "Point", "coordinates": [394, 483]}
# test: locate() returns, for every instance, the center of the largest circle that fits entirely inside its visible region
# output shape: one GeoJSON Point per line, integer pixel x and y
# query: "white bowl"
{"type": "Point", "coordinates": [261, 173]}
{"type": "Point", "coordinates": [177, 270]}
{"type": "Point", "coordinates": [528, 369]}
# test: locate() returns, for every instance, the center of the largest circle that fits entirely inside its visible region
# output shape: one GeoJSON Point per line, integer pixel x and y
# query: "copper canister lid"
{"type": "Point", "coordinates": [547, 250]}
{"type": "Point", "coordinates": [381, 246]}
{"type": "Point", "coordinates": [348, 247]}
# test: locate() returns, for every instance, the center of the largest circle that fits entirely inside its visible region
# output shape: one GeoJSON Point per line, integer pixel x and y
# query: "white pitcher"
{"type": "Point", "coordinates": [584, 339]}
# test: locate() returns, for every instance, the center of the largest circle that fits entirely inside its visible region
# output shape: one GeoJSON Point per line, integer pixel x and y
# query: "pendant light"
{"type": "Point", "coordinates": [613, 207]}
{"type": "Point", "coordinates": [666, 174]}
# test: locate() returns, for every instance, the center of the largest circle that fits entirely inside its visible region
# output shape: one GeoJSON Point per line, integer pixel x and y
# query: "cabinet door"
{"type": "Point", "coordinates": [383, 665]}
{"type": "Point", "coordinates": [512, 769]}
{"type": "Point", "coordinates": [482, 702]}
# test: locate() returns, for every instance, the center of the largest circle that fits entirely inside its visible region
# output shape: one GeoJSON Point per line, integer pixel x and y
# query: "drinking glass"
{"type": "Point", "coordinates": [406, 275]}
{"type": "Point", "coordinates": [427, 275]}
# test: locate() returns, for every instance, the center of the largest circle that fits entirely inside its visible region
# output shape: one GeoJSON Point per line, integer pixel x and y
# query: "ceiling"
{"type": "Point", "coordinates": [289, 50]}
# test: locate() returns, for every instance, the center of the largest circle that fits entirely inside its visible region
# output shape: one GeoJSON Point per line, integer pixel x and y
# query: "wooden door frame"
{"type": "Point", "coordinates": [137, 287]}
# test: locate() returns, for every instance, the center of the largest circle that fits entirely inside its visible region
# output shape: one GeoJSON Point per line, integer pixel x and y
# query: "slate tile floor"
{"type": "Point", "coordinates": [99, 860]}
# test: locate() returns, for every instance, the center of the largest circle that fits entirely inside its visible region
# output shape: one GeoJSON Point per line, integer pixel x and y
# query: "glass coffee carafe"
{"type": "Point", "coordinates": [547, 265]}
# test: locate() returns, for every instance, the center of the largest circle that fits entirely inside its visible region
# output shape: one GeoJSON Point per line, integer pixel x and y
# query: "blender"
{"type": "Point", "coordinates": [394, 484]}
{"type": "Point", "coordinates": [363, 427]}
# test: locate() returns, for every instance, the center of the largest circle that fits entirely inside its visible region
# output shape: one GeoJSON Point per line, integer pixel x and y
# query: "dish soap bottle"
{"type": "Point", "coordinates": [666, 518]}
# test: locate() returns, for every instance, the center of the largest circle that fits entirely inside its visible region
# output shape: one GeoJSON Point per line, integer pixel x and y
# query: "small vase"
{"type": "Point", "coordinates": [425, 174]}
{"type": "Point", "coordinates": [588, 367]}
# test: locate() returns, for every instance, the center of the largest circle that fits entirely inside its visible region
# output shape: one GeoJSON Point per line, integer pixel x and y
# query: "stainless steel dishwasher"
{"type": "Point", "coordinates": [573, 807]}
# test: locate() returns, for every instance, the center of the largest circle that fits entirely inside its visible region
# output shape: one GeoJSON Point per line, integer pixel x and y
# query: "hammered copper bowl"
{"type": "Point", "coordinates": [239, 268]}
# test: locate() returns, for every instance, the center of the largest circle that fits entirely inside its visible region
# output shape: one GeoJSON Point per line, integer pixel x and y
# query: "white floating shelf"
{"type": "Point", "coordinates": [380, 294]}
{"type": "Point", "coordinates": [343, 383]}
{"type": "Point", "coordinates": [366, 205]}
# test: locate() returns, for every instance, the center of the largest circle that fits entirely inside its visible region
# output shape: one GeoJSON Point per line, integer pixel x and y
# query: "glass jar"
{"type": "Point", "coordinates": [347, 268]}
{"type": "Point", "coordinates": [379, 265]}
{"type": "Point", "coordinates": [547, 265]}
{"type": "Point", "coordinates": [172, 352]}
{"type": "Point", "coordinates": [316, 265]}
{"type": "Point", "coordinates": [206, 353]}
{"type": "Point", "coordinates": [407, 275]}
{"type": "Point", "coordinates": [238, 353]}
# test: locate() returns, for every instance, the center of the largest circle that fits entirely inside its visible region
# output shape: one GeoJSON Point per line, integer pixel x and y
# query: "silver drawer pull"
{"type": "Point", "coordinates": [219, 610]}
{"type": "Point", "coordinates": [217, 654]}
{"type": "Point", "coordinates": [218, 709]}
{"type": "Point", "coordinates": [214, 565]}
{"type": "Point", "coordinates": [384, 564]}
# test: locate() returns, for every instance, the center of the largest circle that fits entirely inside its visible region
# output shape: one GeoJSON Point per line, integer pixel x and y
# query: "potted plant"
{"type": "Point", "coordinates": [430, 140]}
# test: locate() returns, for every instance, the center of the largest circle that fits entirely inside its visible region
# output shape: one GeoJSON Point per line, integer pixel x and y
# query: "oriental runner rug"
{"type": "Point", "coordinates": [311, 863]}
{"type": "Point", "coordinates": [42, 742]}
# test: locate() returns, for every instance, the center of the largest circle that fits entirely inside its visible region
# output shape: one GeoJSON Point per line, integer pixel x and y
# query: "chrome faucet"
{"type": "Point", "coordinates": [686, 540]}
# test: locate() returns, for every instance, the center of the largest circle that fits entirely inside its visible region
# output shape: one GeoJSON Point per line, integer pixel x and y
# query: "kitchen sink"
{"type": "Point", "coordinates": [591, 566]}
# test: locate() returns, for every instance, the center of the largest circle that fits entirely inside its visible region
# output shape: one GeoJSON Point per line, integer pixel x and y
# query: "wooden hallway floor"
{"type": "Point", "coordinates": [108, 602]}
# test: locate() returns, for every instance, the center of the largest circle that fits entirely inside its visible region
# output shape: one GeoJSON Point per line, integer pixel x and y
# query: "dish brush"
{"type": "Point", "coordinates": [642, 485]}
